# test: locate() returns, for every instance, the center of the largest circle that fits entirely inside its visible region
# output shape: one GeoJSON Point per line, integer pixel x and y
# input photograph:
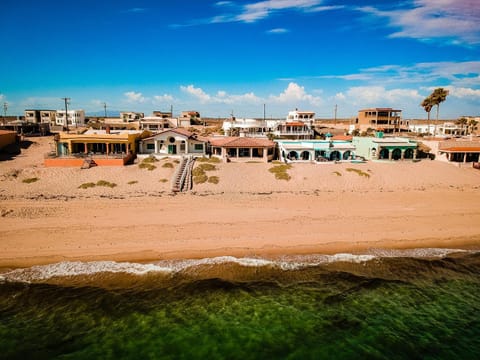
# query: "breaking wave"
{"type": "Point", "coordinates": [171, 267]}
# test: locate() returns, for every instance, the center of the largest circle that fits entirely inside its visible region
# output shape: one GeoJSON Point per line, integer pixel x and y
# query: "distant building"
{"type": "Point", "coordinates": [387, 120]}
{"type": "Point", "coordinates": [73, 118]}
{"type": "Point", "coordinates": [40, 116]}
{"type": "Point", "coordinates": [297, 125]}
{"type": "Point", "coordinates": [188, 118]}
{"type": "Point", "coordinates": [129, 116]}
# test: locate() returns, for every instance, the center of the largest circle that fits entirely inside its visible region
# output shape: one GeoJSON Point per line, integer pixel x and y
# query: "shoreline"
{"type": "Point", "coordinates": [180, 227]}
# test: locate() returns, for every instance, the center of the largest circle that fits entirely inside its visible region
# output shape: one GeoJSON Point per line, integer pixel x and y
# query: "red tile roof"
{"type": "Point", "coordinates": [462, 149]}
{"type": "Point", "coordinates": [244, 142]}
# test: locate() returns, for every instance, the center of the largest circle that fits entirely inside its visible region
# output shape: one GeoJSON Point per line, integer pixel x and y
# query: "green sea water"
{"type": "Point", "coordinates": [385, 308]}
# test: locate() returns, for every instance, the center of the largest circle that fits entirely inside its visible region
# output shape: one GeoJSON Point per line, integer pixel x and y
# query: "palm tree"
{"type": "Point", "coordinates": [472, 125]}
{"type": "Point", "coordinates": [427, 104]}
{"type": "Point", "coordinates": [462, 122]}
{"type": "Point", "coordinates": [438, 96]}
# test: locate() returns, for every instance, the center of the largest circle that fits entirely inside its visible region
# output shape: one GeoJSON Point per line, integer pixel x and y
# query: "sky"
{"type": "Point", "coordinates": [246, 58]}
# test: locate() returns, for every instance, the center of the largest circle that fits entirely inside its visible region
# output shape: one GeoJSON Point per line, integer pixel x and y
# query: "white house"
{"type": "Point", "coordinates": [174, 142]}
{"type": "Point", "coordinates": [297, 125]}
{"type": "Point", "coordinates": [74, 118]}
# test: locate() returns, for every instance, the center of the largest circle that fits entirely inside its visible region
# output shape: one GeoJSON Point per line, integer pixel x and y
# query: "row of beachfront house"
{"type": "Point", "coordinates": [119, 147]}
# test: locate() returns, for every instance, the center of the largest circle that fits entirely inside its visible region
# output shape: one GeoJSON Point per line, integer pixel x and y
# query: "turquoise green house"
{"type": "Point", "coordinates": [385, 148]}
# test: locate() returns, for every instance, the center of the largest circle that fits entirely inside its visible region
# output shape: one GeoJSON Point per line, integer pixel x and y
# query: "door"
{"type": "Point", "coordinates": [172, 149]}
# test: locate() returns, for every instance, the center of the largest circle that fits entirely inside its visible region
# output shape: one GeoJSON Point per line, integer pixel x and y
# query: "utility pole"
{"type": "Point", "coordinates": [105, 108]}
{"type": "Point", "coordinates": [335, 117]}
{"type": "Point", "coordinates": [66, 110]}
{"type": "Point", "coordinates": [5, 107]}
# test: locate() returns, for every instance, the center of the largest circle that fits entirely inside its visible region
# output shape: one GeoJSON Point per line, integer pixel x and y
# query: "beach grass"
{"type": "Point", "coordinates": [167, 165]}
{"type": "Point", "coordinates": [359, 172]}
{"type": "Point", "coordinates": [132, 182]}
{"type": "Point", "coordinates": [147, 166]}
{"type": "Point", "coordinates": [212, 160]}
{"type": "Point", "coordinates": [200, 176]}
{"type": "Point", "coordinates": [213, 179]}
{"type": "Point", "coordinates": [149, 160]}
{"type": "Point", "coordinates": [30, 180]}
{"type": "Point", "coordinates": [87, 185]}
{"type": "Point", "coordinates": [338, 173]}
{"type": "Point", "coordinates": [280, 171]}
{"type": "Point", "coordinates": [106, 183]}
{"type": "Point", "coordinates": [163, 180]}
{"type": "Point", "coordinates": [200, 179]}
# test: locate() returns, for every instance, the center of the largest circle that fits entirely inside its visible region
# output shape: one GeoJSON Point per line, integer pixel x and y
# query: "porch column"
{"type": "Point", "coordinates": [265, 154]}
{"type": "Point", "coordinates": [127, 145]}
{"type": "Point", "coordinates": [464, 158]}
{"type": "Point", "coordinates": [155, 142]}
{"type": "Point", "coordinates": [250, 152]}
{"type": "Point", "coordinates": [390, 154]}
{"type": "Point", "coordinates": [186, 147]}
{"type": "Point", "coordinates": [402, 154]}
{"type": "Point", "coordinates": [414, 154]}
{"type": "Point", "coordinates": [85, 146]}
{"type": "Point", "coordinates": [107, 146]}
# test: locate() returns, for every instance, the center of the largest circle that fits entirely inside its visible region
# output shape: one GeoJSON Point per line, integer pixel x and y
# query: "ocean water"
{"type": "Point", "coordinates": [417, 304]}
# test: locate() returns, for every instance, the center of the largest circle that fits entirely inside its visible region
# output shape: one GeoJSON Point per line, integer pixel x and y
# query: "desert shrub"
{"type": "Point", "coordinates": [338, 173]}
{"type": "Point", "coordinates": [359, 172]}
{"type": "Point", "coordinates": [198, 171]}
{"type": "Point", "coordinates": [280, 171]}
{"type": "Point", "coordinates": [132, 182]}
{"type": "Point", "coordinates": [105, 183]}
{"type": "Point", "coordinates": [163, 180]}
{"type": "Point", "coordinates": [147, 166]}
{"type": "Point", "coordinates": [212, 160]}
{"type": "Point", "coordinates": [87, 185]}
{"type": "Point", "coordinates": [213, 179]}
{"type": "Point", "coordinates": [149, 160]}
{"type": "Point", "coordinates": [207, 167]}
{"type": "Point", "coordinates": [167, 165]}
{"type": "Point", "coordinates": [176, 161]}
{"type": "Point", "coordinates": [30, 180]}
{"type": "Point", "coordinates": [200, 179]}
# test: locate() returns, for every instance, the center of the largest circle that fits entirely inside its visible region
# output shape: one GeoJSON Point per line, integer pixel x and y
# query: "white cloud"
{"type": "Point", "coordinates": [461, 92]}
{"type": "Point", "coordinates": [295, 93]}
{"type": "Point", "coordinates": [134, 97]}
{"type": "Point", "coordinates": [278, 31]}
{"type": "Point", "coordinates": [377, 95]}
{"type": "Point", "coordinates": [198, 93]}
{"type": "Point", "coordinates": [221, 97]}
{"type": "Point", "coordinates": [461, 74]}
{"type": "Point", "coordinates": [262, 9]}
{"type": "Point", "coordinates": [162, 98]}
{"type": "Point", "coordinates": [456, 20]}
{"type": "Point", "coordinates": [259, 10]}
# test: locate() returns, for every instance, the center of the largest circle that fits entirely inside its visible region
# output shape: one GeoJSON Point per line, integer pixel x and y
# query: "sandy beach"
{"type": "Point", "coordinates": [322, 209]}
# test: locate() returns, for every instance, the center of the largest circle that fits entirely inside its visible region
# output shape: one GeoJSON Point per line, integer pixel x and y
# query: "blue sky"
{"type": "Point", "coordinates": [219, 57]}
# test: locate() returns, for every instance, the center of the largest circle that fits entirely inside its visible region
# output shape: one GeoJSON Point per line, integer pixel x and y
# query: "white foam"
{"type": "Point", "coordinates": [291, 262]}
{"type": "Point", "coordinates": [75, 268]}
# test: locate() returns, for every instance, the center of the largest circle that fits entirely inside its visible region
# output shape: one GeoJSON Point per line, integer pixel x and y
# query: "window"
{"type": "Point", "coordinates": [198, 147]}
{"type": "Point", "coordinates": [244, 152]}
{"type": "Point", "coordinates": [150, 146]}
